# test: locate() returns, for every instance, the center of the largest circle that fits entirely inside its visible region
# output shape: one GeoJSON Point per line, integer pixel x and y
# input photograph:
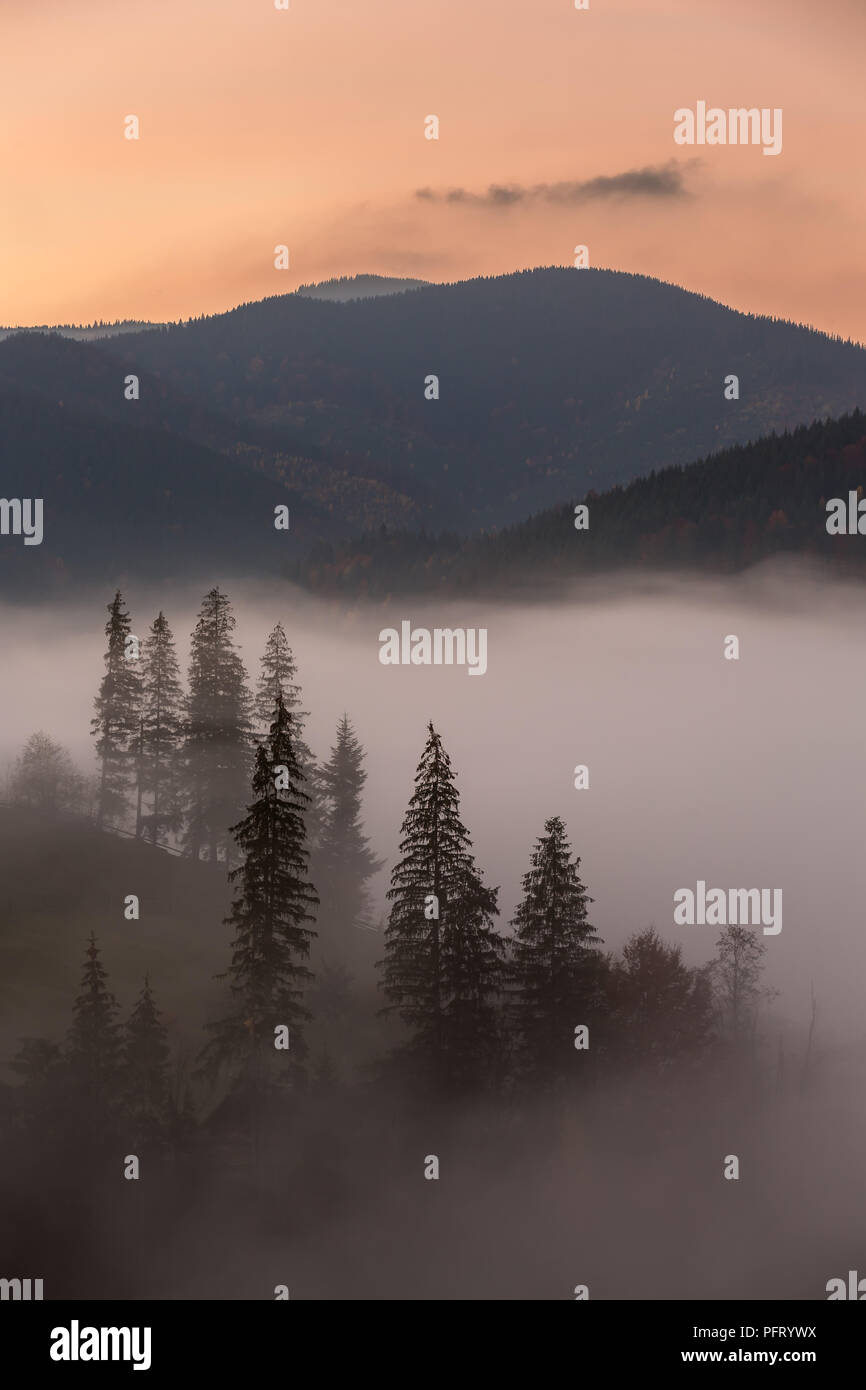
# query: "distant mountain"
{"type": "Point", "coordinates": [341, 288]}
{"type": "Point", "coordinates": [120, 499]}
{"type": "Point", "coordinates": [347, 287]}
{"type": "Point", "coordinates": [550, 382]}
{"type": "Point", "coordinates": [89, 333]}
{"type": "Point", "coordinates": [719, 515]}
{"type": "Point", "coordinates": [157, 487]}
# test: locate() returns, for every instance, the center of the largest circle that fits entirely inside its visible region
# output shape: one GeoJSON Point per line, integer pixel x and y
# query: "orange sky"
{"type": "Point", "coordinates": [260, 126]}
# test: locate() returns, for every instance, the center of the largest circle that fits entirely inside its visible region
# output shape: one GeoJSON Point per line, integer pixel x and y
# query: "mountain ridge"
{"type": "Point", "coordinates": [550, 381]}
{"type": "Point", "coordinates": [553, 383]}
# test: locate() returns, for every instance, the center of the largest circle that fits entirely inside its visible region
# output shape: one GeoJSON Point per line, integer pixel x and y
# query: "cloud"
{"type": "Point", "coordinates": [659, 181]}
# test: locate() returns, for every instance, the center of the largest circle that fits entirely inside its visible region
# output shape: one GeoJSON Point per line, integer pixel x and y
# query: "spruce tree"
{"type": "Point", "coordinates": [345, 860]}
{"type": "Point", "coordinates": [555, 969]}
{"type": "Point", "coordinates": [93, 1045]}
{"type": "Point", "coordinates": [217, 747]}
{"type": "Point", "coordinates": [145, 1067]}
{"type": "Point", "coordinates": [270, 916]}
{"type": "Point", "coordinates": [442, 966]}
{"type": "Point", "coordinates": [115, 726]}
{"type": "Point", "coordinates": [278, 676]}
{"type": "Point", "coordinates": [162, 731]}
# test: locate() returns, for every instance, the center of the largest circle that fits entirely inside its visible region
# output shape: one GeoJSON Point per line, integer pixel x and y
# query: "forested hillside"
{"type": "Point", "coordinates": [720, 515]}
{"type": "Point", "coordinates": [459, 407]}
{"type": "Point", "coordinates": [550, 381]}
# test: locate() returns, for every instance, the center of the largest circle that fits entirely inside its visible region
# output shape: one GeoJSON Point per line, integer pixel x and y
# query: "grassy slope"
{"type": "Point", "coordinates": [63, 879]}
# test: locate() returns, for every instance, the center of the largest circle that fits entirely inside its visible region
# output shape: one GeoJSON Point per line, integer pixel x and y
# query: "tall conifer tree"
{"type": "Point", "coordinates": [115, 726]}
{"type": "Point", "coordinates": [271, 917]}
{"type": "Point", "coordinates": [145, 1066]}
{"type": "Point", "coordinates": [345, 860]}
{"type": "Point", "coordinates": [94, 1045]}
{"type": "Point", "coordinates": [442, 966]}
{"type": "Point", "coordinates": [555, 970]}
{"type": "Point", "coordinates": [217, 748]}
{"type": "Point", "coordinates": [162, 731]}
{"type": "Point", "coordinates": [278, 676]}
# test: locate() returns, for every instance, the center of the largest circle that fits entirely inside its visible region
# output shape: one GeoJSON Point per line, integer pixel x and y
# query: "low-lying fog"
{"type": "Point", "coordinates": [746, 774]}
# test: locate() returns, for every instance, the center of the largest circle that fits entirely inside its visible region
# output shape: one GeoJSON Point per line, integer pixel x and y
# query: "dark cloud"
{"type": "Point", "coordinates": [660, 181]}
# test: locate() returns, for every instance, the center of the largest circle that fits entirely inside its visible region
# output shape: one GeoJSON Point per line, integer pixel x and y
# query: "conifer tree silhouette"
{"type": "Point", "coordinates": [278, 676]}
{"type": "Point", "coordinates": [271, 917]}
{"type": "Point", "coordinates": [555, 969]}
{"type": "Point", "coordinates": [94, 1043]}
{"type": "Point", "coordinates": [115, 724]}
{"type": "Point", "coordinates": [443, 957]}
{"type": "Point", "coordinates": [161, 734]}
{"type": "Point", "coordinates": [217, 747]}
{"type": "Point", "coordinates": [344, 860]}
{"type": "Point", "coordinates": [145, 1067]}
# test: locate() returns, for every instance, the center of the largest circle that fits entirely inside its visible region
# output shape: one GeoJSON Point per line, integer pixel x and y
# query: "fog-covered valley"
{"type": "Point", "coordinates": [740, 773]}
{"type": "Point", "coordinates": [746, 772]}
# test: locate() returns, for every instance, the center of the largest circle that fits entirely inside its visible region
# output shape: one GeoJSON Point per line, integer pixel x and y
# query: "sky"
{"type": "Point", "coordinates": [305, 127]}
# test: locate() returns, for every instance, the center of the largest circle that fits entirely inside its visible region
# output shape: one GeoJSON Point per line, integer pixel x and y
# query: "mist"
{"type": "Point", "coordinates": [743, 773]}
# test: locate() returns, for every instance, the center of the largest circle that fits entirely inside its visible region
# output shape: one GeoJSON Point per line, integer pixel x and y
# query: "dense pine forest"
{"type": "Point", "coordinates": [718, 515]}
